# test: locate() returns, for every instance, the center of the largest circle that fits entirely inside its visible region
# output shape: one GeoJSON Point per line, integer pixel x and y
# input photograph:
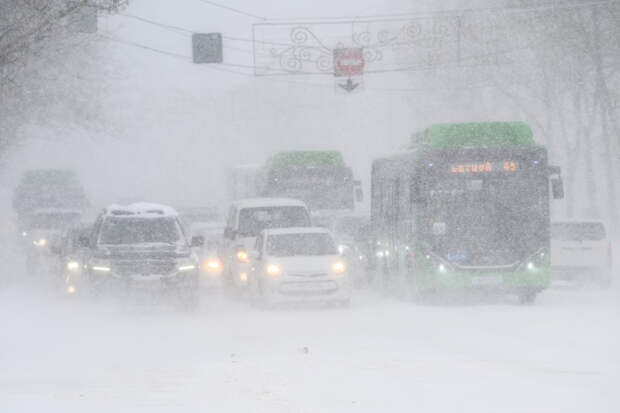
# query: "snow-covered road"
{"type": "Point", "coordinates": [380, 355]}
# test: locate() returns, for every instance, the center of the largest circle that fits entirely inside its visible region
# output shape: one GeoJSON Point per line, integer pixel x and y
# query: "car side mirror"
{"type": "Point", "coordinates": [84, 242]}
{"type": "Point", "coordinates": [255, 255]}
{"type": "Point", "coordinates": [197, 241]}
{"type": "Point", "coordinates": [557, 188]}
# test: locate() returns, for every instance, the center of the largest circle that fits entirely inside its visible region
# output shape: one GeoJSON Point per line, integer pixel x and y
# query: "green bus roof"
{"type": "Point", "coordinates": [306, 159]}
{"type": "Point", "coordinates": [475, 133]}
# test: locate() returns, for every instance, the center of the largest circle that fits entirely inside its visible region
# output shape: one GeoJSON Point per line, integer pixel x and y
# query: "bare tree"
{"type": "Point", "coordinates": [36, 51]}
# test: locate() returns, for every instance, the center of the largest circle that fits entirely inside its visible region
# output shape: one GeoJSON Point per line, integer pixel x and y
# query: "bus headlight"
{"type": "Point", "coordinates": [535, 262]}
{"type": "Point", "coordinates": [441, 266]}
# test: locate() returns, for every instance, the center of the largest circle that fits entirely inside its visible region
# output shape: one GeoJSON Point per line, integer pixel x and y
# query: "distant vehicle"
{"type": "Point", "coordinates": [56, 189]}
{"type": "Point", "coordinates": [581, 250]}
{"type": "Point", "coordinates": [319, 178]}
{"type": "Point", "coordinates": [467, 207]}
{"type": "Point", "coordinates": [246, 219]}
{"type": "Point", "coordinates": [351, 233]}
{"type": "Point", "coordinates": [71, 259]}
{"type": "Point", "coordinates": [142, 249]}
{"type": "Point", "coordinates": [46, 201]}
{"type": "Point", "coordinates": [39, 230]}
{"type": "Point", "coordinates": [299, 264]}
{"type": "Point", "coordinates": [209, 254]}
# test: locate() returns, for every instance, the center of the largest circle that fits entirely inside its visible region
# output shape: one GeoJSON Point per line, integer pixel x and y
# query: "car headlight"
{"type": "Point", "coordinates": [42, 242]}
{"type": "Point", "coordinates": [187, 267]}
{"type": "Point", "coordinates": [339, 267]}
{"type": "Point", "coordinates": [213, 264]}
{"type": "Point", "coordinates": [273, 269]}
{"type": "Point", "coordinates": [242, 256]}
{"type": "Point", "coordinates": [73, 265]}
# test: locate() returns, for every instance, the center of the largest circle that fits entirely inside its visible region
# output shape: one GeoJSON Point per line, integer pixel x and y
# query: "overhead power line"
{"type": "Point", "coordinates": [232, 9]}
{"type": "Point", "coordinates": [218, 68]}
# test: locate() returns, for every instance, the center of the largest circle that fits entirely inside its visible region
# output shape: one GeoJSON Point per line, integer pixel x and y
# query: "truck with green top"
{"type": "Point", "coordinates": [321, 179]}
{"type": "Point", "coordinates": [466, 207]}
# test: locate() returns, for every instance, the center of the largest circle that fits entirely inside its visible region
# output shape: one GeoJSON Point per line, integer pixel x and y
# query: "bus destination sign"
{"type": "Point", "coordinates": [483, 167]}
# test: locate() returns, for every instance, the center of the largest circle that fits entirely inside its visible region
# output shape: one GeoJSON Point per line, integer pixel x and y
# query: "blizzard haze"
{"type": "Point", "coordinates": [127, 110]}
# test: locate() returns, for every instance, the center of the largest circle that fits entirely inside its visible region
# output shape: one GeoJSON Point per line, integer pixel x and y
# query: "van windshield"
{"type": "Point", "coordinates": [253, 220]}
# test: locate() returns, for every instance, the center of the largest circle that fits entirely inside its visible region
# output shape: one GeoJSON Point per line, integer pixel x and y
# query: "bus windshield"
{"type": "Point", "coordinates": [489, 220]}
{"type": "Point", "coordinates": [253, 220]}
{"type": "Point", "coordinates": [322, 187]}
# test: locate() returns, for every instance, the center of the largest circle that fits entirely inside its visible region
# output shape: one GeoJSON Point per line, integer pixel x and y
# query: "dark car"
{"type": "Point", "coordinates": [141, 250]}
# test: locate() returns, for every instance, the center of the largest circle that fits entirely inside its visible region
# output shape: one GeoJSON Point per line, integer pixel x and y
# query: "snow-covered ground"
{"type": "Point", "coordinates": [559, 355]}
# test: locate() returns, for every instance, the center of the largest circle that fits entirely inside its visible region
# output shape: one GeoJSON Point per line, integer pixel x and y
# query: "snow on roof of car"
{"type": "Point", "coordinates": [267, 202]}
{"type": "Point", "coordinates": [142, 209]}
{"type": "Point", "coordinates": [295, 230]}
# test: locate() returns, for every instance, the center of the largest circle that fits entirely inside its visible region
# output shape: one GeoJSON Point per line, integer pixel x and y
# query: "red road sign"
{"type": "Point", "coordinates": [348, 62]}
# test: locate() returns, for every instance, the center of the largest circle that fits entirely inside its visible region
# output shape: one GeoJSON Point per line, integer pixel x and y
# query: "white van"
{"type": "Point", "coordinates": [581, 250]}
{"type": "Point", "coordinates": [246, 219]}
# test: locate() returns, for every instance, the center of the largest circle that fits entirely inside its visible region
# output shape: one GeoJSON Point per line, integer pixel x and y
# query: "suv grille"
{"type": "Point", "coordinates": [144, 267]}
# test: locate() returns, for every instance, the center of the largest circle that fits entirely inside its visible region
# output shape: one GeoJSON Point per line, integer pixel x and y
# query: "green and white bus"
{"type": "Point", "coordinates": [467, 207]}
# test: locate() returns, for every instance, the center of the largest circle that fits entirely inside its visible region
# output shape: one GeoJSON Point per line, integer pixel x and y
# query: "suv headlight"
{"type": "Point", "coordinates": [100, 266]}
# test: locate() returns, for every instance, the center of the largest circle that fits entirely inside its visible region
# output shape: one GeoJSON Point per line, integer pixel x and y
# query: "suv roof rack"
{"type": "Point", "coordinates": [140, 209]}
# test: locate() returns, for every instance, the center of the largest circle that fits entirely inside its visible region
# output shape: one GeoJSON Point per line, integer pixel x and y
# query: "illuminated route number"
{"type": "Point", "coordinates": [510, 166]}
{"type": "Point", "coordinates": [467, 168]}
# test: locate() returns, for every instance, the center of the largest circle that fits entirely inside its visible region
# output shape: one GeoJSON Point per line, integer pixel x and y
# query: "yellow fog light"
{"type": "Point", "coordinates": [213, 265]}
{"type": "Point", "coordinates": [243, 256]}
{"type": "Point", "coordinates": [243, 276]}
{"type": "Point", "coordinates": [71, 289]}
{"type": "Point", "coordinates": [339, 267]}
{"type": "Point", "coordinates": [273, 269]}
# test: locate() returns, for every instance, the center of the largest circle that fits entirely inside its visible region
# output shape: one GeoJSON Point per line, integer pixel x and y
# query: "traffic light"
{"type": "Point", "coordinates": [207, 47]}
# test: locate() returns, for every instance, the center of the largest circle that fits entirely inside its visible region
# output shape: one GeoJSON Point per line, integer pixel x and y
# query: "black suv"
{"type": "Point", "coordinates": [142, 248]}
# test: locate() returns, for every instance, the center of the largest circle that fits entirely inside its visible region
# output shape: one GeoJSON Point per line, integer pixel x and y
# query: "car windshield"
{"type": "Point", "coordinates": [286, 245]}
{"type": "Point", "coordinates": [132, 230]}
{"type": "Point", "coordinates": [253, 220]}
{"type": "Point", "coordinates": [577, 231]}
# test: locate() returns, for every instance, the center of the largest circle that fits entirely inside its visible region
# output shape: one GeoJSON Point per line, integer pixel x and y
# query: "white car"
{"type": "Point", "coordinates": [581, 250]}
{"type": "Point", "coordinates": [246, 219]}
{"type": "Point", "coordinates": [299, 264]}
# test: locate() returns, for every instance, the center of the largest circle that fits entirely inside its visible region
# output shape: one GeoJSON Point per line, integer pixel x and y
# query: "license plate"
{"type": "Point", "coordinates": [308, 286]}
{"type": "Point", "coordinates": [490, 280]}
